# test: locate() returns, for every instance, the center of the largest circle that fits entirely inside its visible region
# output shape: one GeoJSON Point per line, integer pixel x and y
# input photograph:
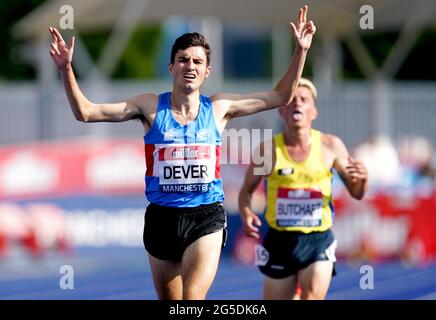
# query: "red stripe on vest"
{"type": "Point", "coordinates": [149, 159]}
{"type": "Point", "coordinates": [306, 193]}
{"type": "Point", "coordinates": [217, 166]}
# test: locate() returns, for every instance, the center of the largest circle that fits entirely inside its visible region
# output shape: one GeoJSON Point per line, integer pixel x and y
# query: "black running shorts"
{"type": "Point", "coordinates": [284, 253]}
{"type": "Point", "coordinates": [168, 231]}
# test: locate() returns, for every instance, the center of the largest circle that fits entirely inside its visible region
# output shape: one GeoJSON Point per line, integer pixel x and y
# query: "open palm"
{"type": "Point", "coordinates": [61, 54]}
{"type": "Point", "coordinates": [304, 31]}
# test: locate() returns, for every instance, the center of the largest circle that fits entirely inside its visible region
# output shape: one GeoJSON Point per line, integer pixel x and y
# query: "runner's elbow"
{"type": "Point", "coordinates": [83, 114]}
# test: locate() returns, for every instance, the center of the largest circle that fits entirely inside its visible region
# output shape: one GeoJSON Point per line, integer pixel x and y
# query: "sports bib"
{"type": "Point", "coordinates": [186, 168]}
{"type": "Point", "coordinates": [299, 207]}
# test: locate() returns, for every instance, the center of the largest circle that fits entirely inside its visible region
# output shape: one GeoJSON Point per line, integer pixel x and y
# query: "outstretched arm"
{"type": "Point", "coordinates": [302, 34]}
{"type": "Point", "coordinates": [233, 105]}
{"type": "Point", "coordinates": [83, 109]}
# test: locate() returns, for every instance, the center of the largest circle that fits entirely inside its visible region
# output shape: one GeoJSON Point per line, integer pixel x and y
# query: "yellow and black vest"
{"type": "Point", "coordinates": [299, 194]}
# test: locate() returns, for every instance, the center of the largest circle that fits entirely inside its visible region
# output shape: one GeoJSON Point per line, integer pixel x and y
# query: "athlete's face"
{"type": "Point", "coordinates": [190, 68]}
{"type": "Point", "coordinates": [301, 111]}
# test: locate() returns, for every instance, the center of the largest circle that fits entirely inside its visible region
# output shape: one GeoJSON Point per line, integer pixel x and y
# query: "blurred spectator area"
{"type": "Point", "coordinates": [89, 193]}
{"type": "Point", "coordinates": [376, 90]}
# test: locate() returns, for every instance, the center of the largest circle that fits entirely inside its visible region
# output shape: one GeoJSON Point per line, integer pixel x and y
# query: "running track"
{"type": "Point", "coordinates": [124, 274]}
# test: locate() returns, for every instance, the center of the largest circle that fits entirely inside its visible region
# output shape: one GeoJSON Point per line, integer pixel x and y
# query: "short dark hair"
{"type": "Point", "coordinates": [187, 40]}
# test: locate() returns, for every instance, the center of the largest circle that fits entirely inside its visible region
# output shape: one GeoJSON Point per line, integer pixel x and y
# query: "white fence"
{"type": "Point", "coordinates": [344, 110]}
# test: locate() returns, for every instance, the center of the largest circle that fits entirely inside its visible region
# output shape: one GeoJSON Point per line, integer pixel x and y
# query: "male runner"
{"type": "Point", "coordinates": [299, 247]}
{"type": "Point", "coordinates": [185, 222]}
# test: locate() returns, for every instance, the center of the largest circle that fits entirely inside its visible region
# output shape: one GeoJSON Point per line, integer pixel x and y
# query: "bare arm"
{"type": "Point", "coordinates": [234, 105]}
{"type": "Point", "coordinates": [352, 172]}
{"type": "Point", "coordinates": [250, 220]}
{"type": "Point", "coordinates": [255, 173]}
{"type": "Point", "coordinates": [83, 109]}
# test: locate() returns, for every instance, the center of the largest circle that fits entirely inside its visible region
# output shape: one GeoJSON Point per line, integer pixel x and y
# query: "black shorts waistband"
{"type": "Point", "coordinates": [185, 210]}
{"type": "Point", "coordinates": [297, 233]}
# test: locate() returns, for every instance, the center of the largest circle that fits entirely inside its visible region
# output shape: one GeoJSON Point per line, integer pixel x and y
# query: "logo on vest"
{"type": "Point", "coordinates": [171, 135]}
{"type": "Point", "coordinates": [203, 135]}
{"type": "Point", "coordinates": [285, 171]}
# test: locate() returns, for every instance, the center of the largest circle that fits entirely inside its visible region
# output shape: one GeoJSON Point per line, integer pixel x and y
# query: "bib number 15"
{"type": "Point", "coordinates": [261, 255]}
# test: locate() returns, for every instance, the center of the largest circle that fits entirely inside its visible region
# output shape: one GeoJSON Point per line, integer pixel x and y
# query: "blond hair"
{"type": "Point", "coordinates": [309, 85]}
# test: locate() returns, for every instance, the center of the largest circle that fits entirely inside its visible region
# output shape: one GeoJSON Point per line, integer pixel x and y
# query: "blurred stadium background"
{"type": "Point", "coordinates": [72, 193]}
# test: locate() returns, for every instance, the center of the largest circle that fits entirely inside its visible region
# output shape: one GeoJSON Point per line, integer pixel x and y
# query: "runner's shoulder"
{"type": "Point", "coordinates": [146, 103]}
{"type": "Point", "coordinates": [331, 141]}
